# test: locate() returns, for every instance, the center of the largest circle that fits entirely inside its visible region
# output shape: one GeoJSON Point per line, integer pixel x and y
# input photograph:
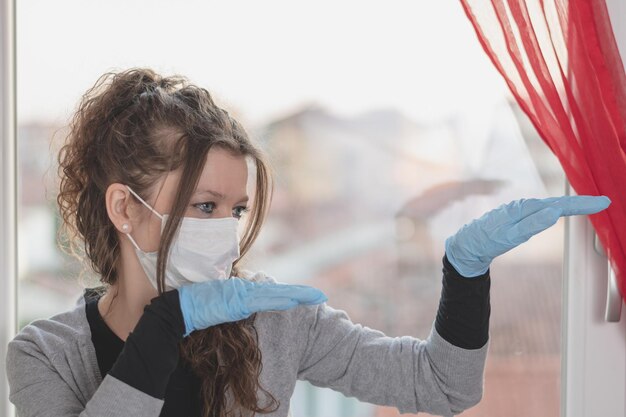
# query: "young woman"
{"type": "Point", "coordinates": [153, 185]}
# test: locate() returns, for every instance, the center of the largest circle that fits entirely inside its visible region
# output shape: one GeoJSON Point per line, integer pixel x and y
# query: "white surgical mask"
{"type": "Point", "coordinates": [202, 250]}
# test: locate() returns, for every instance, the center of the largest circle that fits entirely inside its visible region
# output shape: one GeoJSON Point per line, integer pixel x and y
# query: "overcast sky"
{"type": "Point", "coordinates": [260, 58]}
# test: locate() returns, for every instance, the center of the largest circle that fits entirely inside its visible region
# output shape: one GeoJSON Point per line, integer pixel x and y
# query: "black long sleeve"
{"type": "Point", "coordinates": [148, 360]}
{"type": "Point", "coordinates": [150, 353]}
{"type": "Point", "coordinates": [464, 308]}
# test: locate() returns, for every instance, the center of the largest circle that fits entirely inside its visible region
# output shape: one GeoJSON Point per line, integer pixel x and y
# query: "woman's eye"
{"type": "Point", "coordinates": [240, 211]}
{"type": "Point", "coordinates": [206, 207]}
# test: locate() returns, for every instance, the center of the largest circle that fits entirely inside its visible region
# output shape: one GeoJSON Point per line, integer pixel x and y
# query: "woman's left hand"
{"type": "Point", "coordinates": [476, 244]}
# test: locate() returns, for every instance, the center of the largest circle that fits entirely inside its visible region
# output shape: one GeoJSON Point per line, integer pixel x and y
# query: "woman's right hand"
{"type": "Point", "coordinates": [209, 303]}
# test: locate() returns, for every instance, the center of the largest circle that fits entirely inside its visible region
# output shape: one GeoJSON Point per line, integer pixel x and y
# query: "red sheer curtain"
{"type": "Point", "coordinates": [560, 61]}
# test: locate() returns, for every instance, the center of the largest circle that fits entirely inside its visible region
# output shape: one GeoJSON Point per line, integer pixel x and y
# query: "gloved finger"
{"type": "Point", "coordinates": [581, 204]}
{"type": "Point", "coordinates": [570, 205]}
{"type": "Point", "coordinates": [511, 213]}
{"type": "Point", "coordinates": [299, 292]}
{"type": "Point", "coordinates": [533, 224]}
{"type": "Point", "coordinates": [267, 304]}
{"type": "Point", "coordinates": [528, 206]}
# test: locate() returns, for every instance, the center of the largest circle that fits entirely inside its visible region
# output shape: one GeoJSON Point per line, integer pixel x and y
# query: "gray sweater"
{"type": "Point", "coordinates": [53, 370]}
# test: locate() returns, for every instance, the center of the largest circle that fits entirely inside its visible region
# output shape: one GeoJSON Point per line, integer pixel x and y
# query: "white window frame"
{"type": "Point", "coordinates": [8, 194]}
{"type": "Point", "coordinates": [593, 354]}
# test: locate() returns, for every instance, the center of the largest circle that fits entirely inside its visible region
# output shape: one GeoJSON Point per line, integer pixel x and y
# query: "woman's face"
{"type": "Point", "coordinates": [221, 192]}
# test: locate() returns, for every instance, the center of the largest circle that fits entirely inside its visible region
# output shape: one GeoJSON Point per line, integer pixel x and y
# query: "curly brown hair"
{"type": "Point", "coordinates": [132, 127]}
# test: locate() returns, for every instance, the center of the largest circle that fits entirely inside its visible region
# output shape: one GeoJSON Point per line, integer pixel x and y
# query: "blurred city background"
{"type": "Point", "coordinates": [388, 130]}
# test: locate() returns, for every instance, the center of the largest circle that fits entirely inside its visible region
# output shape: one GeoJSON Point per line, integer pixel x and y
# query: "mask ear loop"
{"type": "Point", "coordinates": [133, 242]}
{"type": "Point", "coordinates": [144, 203]}
{"type": "Point", "coordinates": [151, 209]}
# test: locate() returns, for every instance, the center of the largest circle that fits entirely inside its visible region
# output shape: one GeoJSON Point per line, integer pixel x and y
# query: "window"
{"type": "Point", "coordinates": [382, 148]}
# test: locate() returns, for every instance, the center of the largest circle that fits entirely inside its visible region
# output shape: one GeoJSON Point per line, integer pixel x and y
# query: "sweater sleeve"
{"type": "Point", "coordinates": [37, 387]}
{"type": "Point", "coordinates": [413, 375]}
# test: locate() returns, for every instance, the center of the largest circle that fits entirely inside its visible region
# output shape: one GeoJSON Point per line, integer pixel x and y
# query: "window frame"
{"type": "Point", "coordinates": [592, 348]}
{"type": "Point", "coordinates": [8, 191]}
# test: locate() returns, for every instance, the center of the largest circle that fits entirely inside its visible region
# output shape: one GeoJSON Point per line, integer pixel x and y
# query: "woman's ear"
{"type": "Point", "coordinates": [118, 201]}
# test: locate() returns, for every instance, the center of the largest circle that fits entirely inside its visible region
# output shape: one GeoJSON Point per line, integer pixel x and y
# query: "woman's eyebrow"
{"type": "Point", "coordinates": [219, 195]}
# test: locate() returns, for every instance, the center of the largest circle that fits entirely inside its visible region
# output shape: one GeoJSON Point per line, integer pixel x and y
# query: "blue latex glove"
{"type": "Point", "coordinates": [476, 244]}
{"type": "Point", "coordinates": [209, 303]}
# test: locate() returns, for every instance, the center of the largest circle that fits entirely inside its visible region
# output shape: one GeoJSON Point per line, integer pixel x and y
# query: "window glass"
{"type": "Point", "coordinates": [388, 130]}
